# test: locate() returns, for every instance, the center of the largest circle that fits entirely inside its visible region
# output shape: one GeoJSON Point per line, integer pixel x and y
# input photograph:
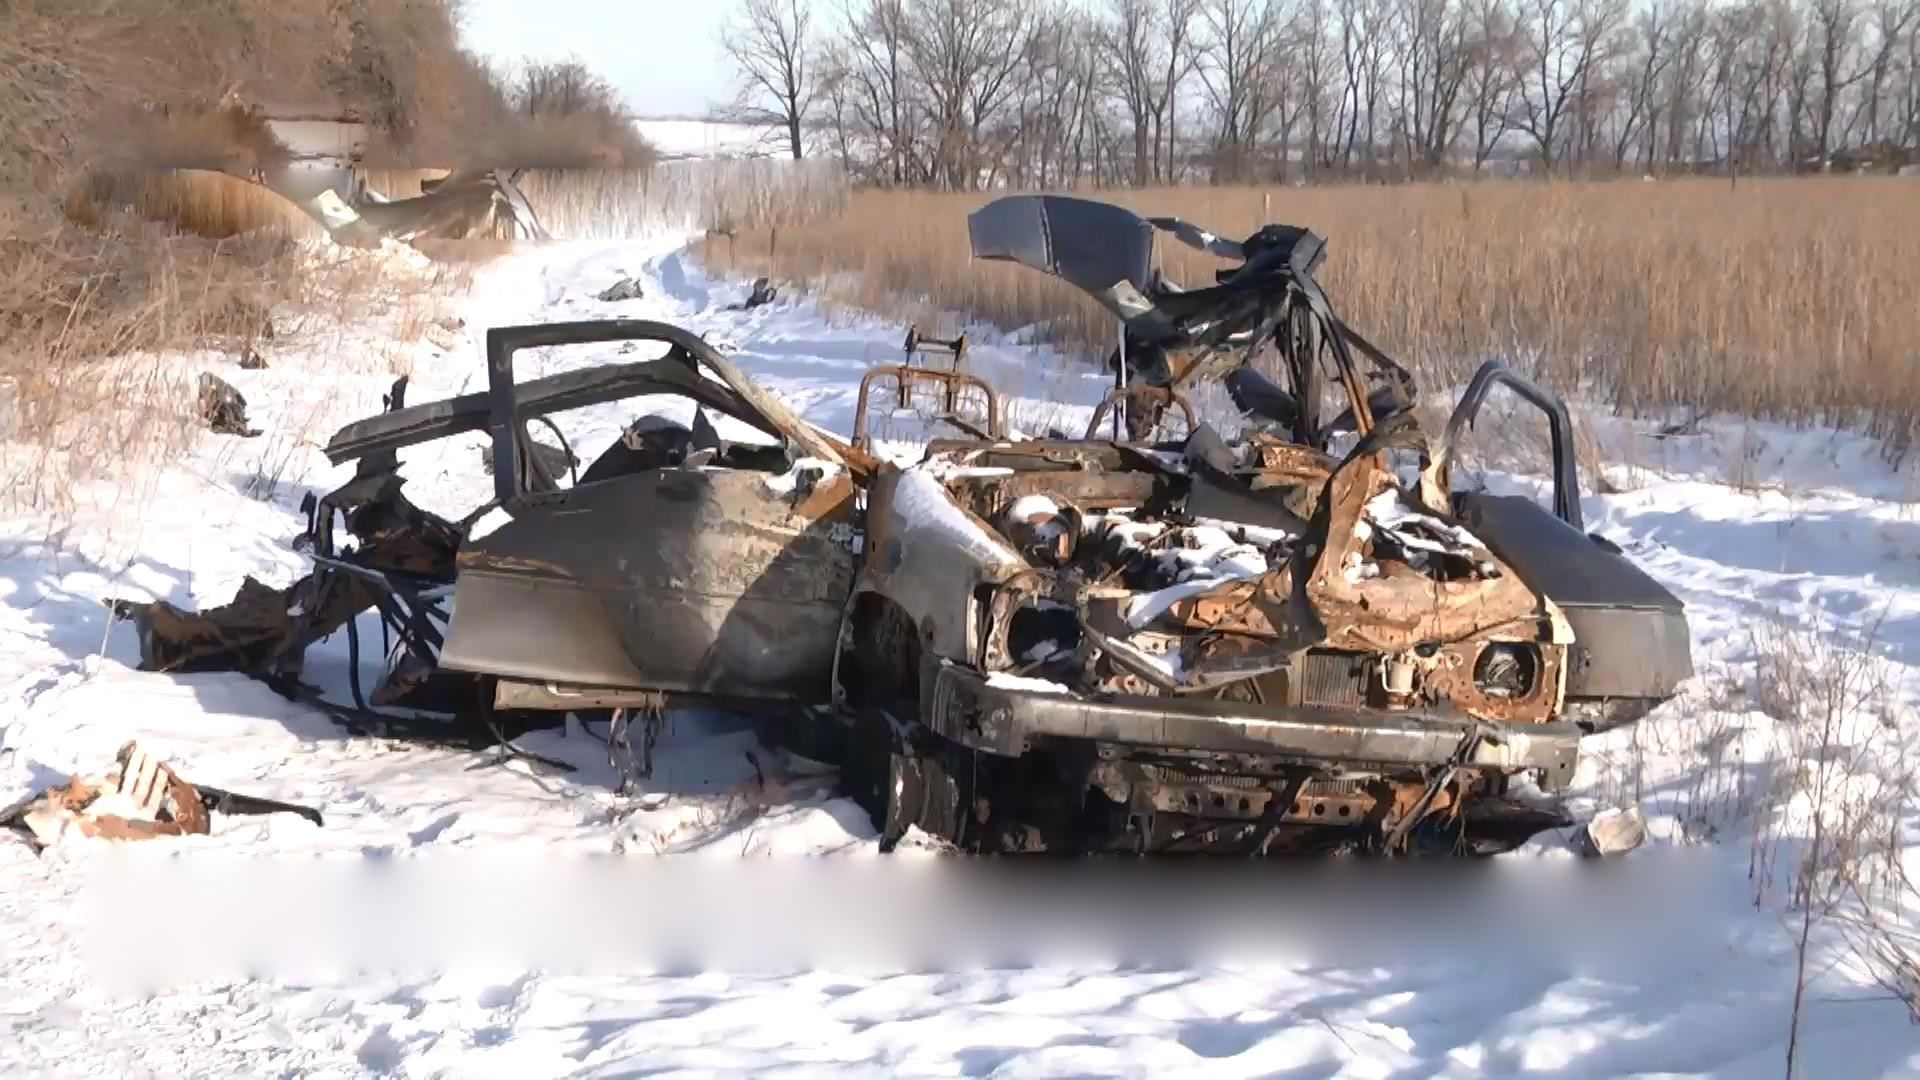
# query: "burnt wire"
{"type": "Point", "coordinates": [368, 713]}
{"type": "Point", "coordinates": [353, 664]}
{"type": "Point", "coordinates": [507, 747]}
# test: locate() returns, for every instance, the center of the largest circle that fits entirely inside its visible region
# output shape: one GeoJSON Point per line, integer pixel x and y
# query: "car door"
{"type": "Point", "coordinates": [717, 574]}
{"type": "Point", "coordinates": [704, 581]}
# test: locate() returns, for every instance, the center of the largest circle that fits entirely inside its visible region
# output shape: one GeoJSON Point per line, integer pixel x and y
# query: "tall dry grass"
{"type": "Point", "coordinates": [615, 204]}
{"type": "Point", "coordinates": [208, 204]}
{"type": "Point", "coordinates": [109, 107]}
{"type": "Point", "coordinates": [76, 313]}
{"type": "Point", "coordinates": [1796, 299]}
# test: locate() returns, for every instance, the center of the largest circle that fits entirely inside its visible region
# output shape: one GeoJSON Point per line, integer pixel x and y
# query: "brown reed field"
{"type": "Point", "coordinates": [1795, 298]}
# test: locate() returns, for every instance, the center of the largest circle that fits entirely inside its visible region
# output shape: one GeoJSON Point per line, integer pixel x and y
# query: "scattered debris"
{"type": "Point", "coordinates": [464, 205]}
{"type": "Point", "coordinates": [264, 631]}
{"type": "Point", "coordinates": [138, 798]}
{"type": "Point", "coordinates": [1612, 832]}
{"type": "Point", "coordinates": [252, 318]}
{"type": "Point", "coordinates": [762, 293]}
{"type": "Point", "coordinates": [624, 289]}
{"type": "Point", "coordinates": [240, 635]}
{"type": "Point", "coordinates": [251, 360]}
{"type": "Point", "coordinates": [222, 407]}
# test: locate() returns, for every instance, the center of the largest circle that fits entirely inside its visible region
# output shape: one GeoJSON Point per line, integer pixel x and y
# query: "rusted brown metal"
{"type": "Point", "coordinates": [1452, 679]}
{"type": "Point", "coordinates": [947, 384]}
{"type": "Point", "coordinates": [825, 499]}
{"type": "Point", "coordinates": [139, 797]}
{"type": "Point", "coordinates": [1400, 608]}
{"type": "Point", "coordinates": [988, 495]}
{"type": "Point", "coordinates": [809, 438]}
{"type": "Point", "coordinates": [525, 694]}
{"type": "Point", "coordinates": [1156, 399]}
{"type": "Point", "coordinates": [1231, 797]}
{"type": "Point", "coordinates": [1279, 458]}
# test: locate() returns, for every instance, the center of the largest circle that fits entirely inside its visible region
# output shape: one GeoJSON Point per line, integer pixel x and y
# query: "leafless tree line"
{"type": "Point", "coordinates": [960, 94]}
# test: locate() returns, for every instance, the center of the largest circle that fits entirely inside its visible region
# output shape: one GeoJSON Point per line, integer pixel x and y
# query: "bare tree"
{"type": "Point", "coordinates": [1239, 34]}
{"type": "Point", "coordinates": [879, 80]}
{"type": "Point", "coordinates": [770, 43]}
{"type": "Point", "coordinates": [836, 98]}
{"type": "Point", "coordinates": [1151, 46]}
{"type": "Point", "coordinates": [1654, 31]}
{"type": "Point", "coordinates": [1685, 83]}
{"type": "Point", "coordinates": [1891, 22]}
{"type": "Point", "coordinates": [1565, 40]}
{"type": "Point", "coordinates": [961, 93]}
{"type": "Point", "coordinates": [1436, 45]}
{"type": "Point", "coordinates": [1836, 26]}
{"type": "Point", "coordinates": [1178, 61]}
{"type": "Point", "coordinates": [965, 54]}
{"type": "Point", "coordinates": [1131, 37]}
{"type": "Point", "coordinates": [1315, 63]}
{"type": "Point", "coordinates": [1492, 76]}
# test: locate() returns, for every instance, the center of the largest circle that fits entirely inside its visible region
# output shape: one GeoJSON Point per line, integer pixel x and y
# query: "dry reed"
{"type": "Point", "coordinates": [208, 204]}
{"type": "Point", "coordinates": [619, 204]}
{"type": "Point", "coordinates": [1791, 299]}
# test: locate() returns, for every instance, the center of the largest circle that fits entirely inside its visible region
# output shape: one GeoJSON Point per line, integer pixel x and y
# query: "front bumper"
{"type": "Point", "coordinates": [960, 705]}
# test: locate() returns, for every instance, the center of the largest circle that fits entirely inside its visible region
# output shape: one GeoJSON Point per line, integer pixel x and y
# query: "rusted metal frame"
{"type": "Point", "coordinates": [1359, 615]}
{"type": "Point", "coordinates": [1212, 343]}
{"type": "Point", "coordinates": [1219, 797]}
{"type": "Point", "coordinates": [1437, 476]}
{"type": "Point", "coordinates": [1161, 395]}
{"type": "Point", "coordinates": [388, 431]}
{"type": "Point", "coordinates": [1442, 778]}
{"type": "Point", "coordinates": [960, 705]}
{"type": "Point", "coordinates": [1007, 598]}
{"type": "Point", "coordinates": [507, 420]}
{"type": "Point", "coordinates": [950, 382]}
{"type": "Point", "coordinates": [1293, 460]}
{"type": "Point", "coordinates": [511, 693]}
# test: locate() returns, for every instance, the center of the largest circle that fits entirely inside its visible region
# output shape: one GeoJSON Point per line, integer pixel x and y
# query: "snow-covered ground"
{"type": "Point", "coordinates": [1535, 964]}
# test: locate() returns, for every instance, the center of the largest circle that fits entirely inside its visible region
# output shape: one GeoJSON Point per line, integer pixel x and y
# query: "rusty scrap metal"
{"type": "Point", "coordinates": [139, 797]}
{"type": "Point", "coordinates": [1401, 608]}
{"type": "Point", "coordinates": [222, 407]}
{"type": "Point", "coordinates": [1152, 402]}
{"type": "Point", "coordinates": [948, 387]}
{"type": "Point", "coordinates": [919, 347]}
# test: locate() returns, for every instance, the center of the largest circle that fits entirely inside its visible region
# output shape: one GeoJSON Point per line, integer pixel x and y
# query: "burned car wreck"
{"type": "Point", "coordinates": [1299, 639]}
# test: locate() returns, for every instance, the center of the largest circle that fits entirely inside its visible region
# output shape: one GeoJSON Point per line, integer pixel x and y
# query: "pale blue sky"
{"type": "Point", "coordinates": [664, 55]}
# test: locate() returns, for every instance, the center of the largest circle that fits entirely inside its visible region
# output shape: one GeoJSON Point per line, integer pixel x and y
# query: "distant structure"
{"type": "Point", "coordinates": [325, 143]}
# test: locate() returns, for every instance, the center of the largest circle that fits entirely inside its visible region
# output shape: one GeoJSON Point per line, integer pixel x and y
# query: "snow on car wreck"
{"type": "Point", "coordinates": [1297, 639]}
{"type": "Point", "coordinates": [1291, 652]}
{"type": "Point", "coordinates": [1192, 645]}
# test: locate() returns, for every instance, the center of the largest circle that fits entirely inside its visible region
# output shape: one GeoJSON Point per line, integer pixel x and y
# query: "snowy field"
{"type": "Point", "coordinates": [1669, 969]}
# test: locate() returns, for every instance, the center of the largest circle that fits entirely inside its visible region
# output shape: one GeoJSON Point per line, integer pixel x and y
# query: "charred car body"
{"type": "Point", "coordinates": [1251, 647]}
{"type": "Point", "coordinates": [1300, 640]}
